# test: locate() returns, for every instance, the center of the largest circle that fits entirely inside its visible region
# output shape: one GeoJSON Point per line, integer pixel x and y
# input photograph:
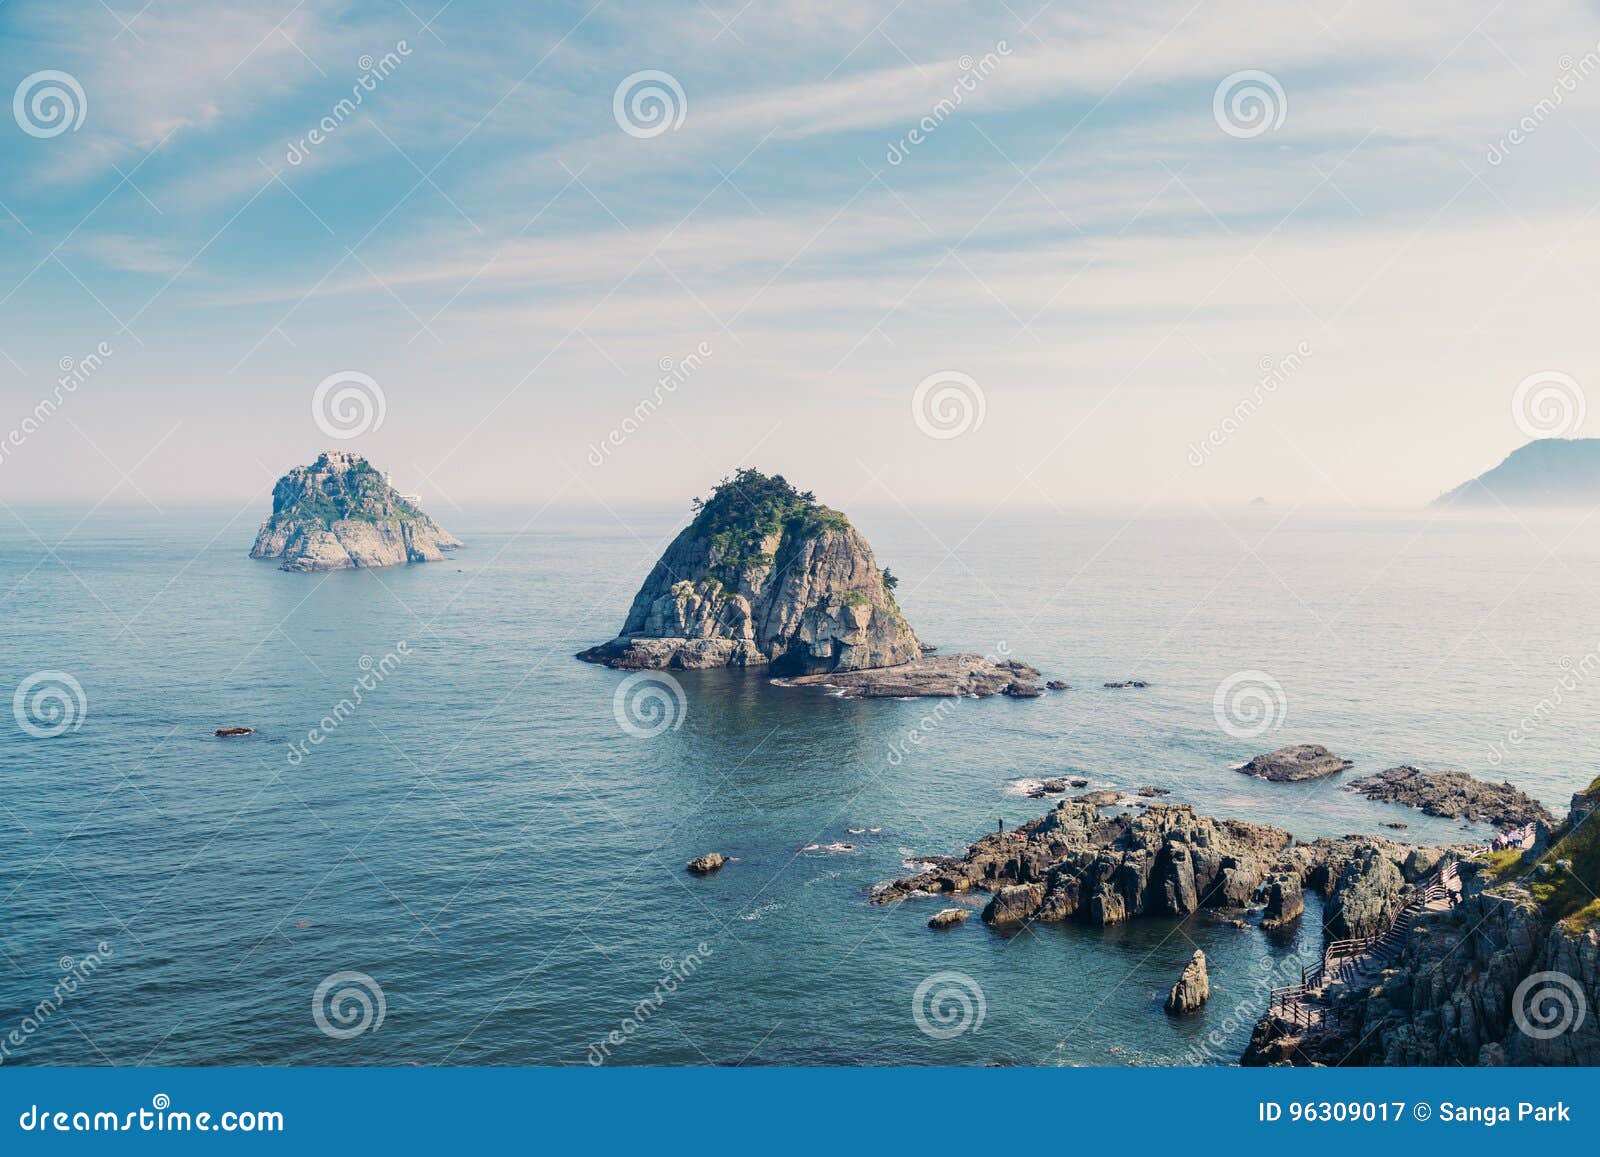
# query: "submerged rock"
{"type": "Point", "coordinates": [1454, 795]}
{"type": "Point", "coordinates": [708, 863]}
{"type": "Point", "coordinates": [1193, 988]}
{"type": "Point", "coordinates": [231, 732]}
{"type": "Point", "coordinates": [341, 512]}
{"type": "Point", "coordinates": [1126, 683]}
{"type": "Point", "coordinates": [962, 676]}
{"type": "Point", "coordinates": [764, 575]}
{"type": "Point", "coordinates": [1297, 762]}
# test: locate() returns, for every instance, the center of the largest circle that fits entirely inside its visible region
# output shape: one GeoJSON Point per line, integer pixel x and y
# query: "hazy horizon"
{"type": "Point", "coordinates": [1177, 258]}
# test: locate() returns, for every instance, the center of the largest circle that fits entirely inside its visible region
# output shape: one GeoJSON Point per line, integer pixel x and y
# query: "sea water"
{"type": "Point", "coordinates": [445, 814]}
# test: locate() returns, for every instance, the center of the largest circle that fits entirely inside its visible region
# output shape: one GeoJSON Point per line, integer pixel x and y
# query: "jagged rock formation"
{"type": "Point", "coordinates": [1193, 988]}
{"type": "Point", "coordinates": [1076, 863]}
{"type": "Point", "coordinates": [341, 512]}
{"type": "Point", "coordinates": [1509, 976]}
{"type": "Point", "coordinates": [1297, 762]}
{"type": "Point", "coordinates": [764, 575]}
{"type": "Point", "coordinates": [949, 917]}
{"type": "Point", "coordinates": [1550, 472]}
{"type": "Point", "coordinates": [707, 864]}
{"type": "Point", "coordinates": [1455, 795]}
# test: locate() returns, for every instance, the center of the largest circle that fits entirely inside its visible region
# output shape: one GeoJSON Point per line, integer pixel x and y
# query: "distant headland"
{"type": "Point", "coordinates": [1549, 472]}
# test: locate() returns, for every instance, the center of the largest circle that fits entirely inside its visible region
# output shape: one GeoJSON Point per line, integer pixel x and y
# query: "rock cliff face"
{"type": "Point", "coordinates": [341, 512]}
{"type": "Point", "coordinates": [764, 576]}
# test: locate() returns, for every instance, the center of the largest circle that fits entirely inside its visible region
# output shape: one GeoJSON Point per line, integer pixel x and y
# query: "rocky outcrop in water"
{"type": "Point", "coordinates": [341, 512]}
{"type": "Point", "coordinates": [1193, 988]}
{"type": "Point", "coordinates": [707, 864]}
{"type": "Point", "coordinates": [1295, 763]}
{"type": "Point", "coordinates": [1455, 795]}
{"type": "Point", "coordinates": [764, 576]}
{"type": "Point", "coordinates": [1079, 864]}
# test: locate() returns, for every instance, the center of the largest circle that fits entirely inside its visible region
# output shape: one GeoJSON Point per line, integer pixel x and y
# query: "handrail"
{"type": "Point", "coordinates": [1343, 959]}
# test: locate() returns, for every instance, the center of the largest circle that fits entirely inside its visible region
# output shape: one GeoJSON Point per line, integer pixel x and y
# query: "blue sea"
{"type": "Point", "coordinates": [479, 858]}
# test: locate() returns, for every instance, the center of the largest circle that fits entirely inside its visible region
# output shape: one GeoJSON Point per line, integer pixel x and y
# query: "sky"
{"type": "Point", "coordinates": [922, 255]}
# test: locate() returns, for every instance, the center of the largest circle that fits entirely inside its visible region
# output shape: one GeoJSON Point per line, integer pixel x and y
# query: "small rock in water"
{"type": "Point", "coordinates": [949, 917]}
{"type": "Point", "coordinates": [230, 732]}
{"type": "Point", "coordinates": [1396, 824]}
{"type": "Point", "coordinates": [708, 863]}
{"type": "Point", "coordinates": [1058, 685]}
{"type": "Point", "coordinates": [1022, 691]}
{"type": "Point", "coordinates": [1296, 762]}
{"type": "Point", "coordinates": [1154, 791]}
{"type": "Point", "coordinates": [1126, 683]}
{"type": "Point", "coordinates": [1193, 988]}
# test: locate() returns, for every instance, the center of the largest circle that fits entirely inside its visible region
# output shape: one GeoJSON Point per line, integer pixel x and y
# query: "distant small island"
{"type": "Point", "coordinates": [341, 512]}
{"type": "Point", "coordinates": [766, 576]}
{"type": "Point", "coordinates": [1549, 472]}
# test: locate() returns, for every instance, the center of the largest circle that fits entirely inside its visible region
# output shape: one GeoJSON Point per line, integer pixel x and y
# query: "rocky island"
{"type": "Point", "coordinates": [341, 512]}
{"type": "Point", "coordinates": [765, 576]}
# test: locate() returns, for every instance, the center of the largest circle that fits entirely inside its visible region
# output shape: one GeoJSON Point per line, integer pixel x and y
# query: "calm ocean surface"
{"type": "Point", "coordinates": [483, 839]}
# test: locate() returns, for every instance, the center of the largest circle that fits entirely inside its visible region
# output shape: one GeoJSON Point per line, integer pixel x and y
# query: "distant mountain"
{"type": "Point", "coordinates": [1548, 472]}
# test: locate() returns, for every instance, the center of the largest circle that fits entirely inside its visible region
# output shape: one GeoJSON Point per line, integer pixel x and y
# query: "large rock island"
{"type": "Point", "coordinates": [766, 576]}
{"type": "Point", "coordinates": [340, 512]}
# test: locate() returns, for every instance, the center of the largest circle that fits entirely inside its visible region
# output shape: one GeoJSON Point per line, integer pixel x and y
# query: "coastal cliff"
{"type": "Point", "coordinates": [764, 576]}
{"type": "Point", "coordinates": [341, 512]}
{"type": "Point", "coordinates": [1508, 976]}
